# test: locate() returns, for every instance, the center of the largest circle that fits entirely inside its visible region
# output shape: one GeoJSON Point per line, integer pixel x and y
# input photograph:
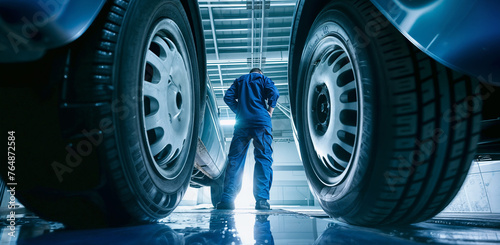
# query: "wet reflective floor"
{"type": "Point", "coordinates": [203, 225]}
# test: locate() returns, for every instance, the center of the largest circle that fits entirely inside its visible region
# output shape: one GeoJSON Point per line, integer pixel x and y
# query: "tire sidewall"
{"type": "Point", "coordinates": [346, 196]}
{"type": "Point", "coordinates": [130, 136]}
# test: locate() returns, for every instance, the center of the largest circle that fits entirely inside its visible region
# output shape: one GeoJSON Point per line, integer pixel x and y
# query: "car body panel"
{"type": "Point", "coordinates": [460, 34]}
{"type": "Point", "coordinates": [30, 27]}
{"type": "Point", "coordinates": [212, 136]}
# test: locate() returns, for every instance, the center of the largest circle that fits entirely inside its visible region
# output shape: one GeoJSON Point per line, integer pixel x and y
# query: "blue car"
{"type": "Point", "coordinates": [391, 101]}
{"type": "Point", "coordinates": [107, 108]}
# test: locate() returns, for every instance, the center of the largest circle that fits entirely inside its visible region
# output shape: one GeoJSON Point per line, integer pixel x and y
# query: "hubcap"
{"type": "Point", "coordinates": [168, 95]}
{"type": "Point", "coordinates": [332, 109]}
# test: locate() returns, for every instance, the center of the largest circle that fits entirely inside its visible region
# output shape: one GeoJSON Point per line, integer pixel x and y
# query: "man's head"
{"type": "Point", "coordinates": [256, 70]}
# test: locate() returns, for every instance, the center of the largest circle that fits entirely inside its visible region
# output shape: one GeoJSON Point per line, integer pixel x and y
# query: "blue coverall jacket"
{"type": "Point", "coordinates": [248, 97]}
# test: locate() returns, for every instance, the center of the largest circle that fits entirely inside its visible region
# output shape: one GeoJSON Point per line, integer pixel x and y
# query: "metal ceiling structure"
{"type": "Point", "coordinates": [240, 35]}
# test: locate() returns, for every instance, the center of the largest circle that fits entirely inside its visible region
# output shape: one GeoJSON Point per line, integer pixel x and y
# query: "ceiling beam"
{"type": "Point", "coordinates": [241, 29]}
{"type": "Point", "coordinates": [281, 18]}
{"type": "Point", "coordinates": [253, 35]}
{"type": "Point", "coordinates": [212, 25]}
{"type": "Point", "coordinates": [261, 34]}
{"type": "Point", "coordinates": [244, 61]}
{"type": "Point", "coordinates": [244, 5]}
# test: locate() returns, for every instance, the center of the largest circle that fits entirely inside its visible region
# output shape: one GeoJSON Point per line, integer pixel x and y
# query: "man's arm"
{"type": "Point", "coordinates": [272, 95]}
{"type": "Point", "coordinates": [270, 110]}
{"type": "Point", "coordinates": [231, 97]}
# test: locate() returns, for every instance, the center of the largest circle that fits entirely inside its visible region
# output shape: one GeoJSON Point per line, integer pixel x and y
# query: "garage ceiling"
{"type": "Point", "coordinates": [240, 35]}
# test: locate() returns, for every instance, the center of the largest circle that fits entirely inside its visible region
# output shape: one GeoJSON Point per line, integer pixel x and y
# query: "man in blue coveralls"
{"type": "Point", "coordinates": [247, 99]}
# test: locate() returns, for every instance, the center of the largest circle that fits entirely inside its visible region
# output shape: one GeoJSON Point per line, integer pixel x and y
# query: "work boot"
{"type": "Point", "coordinates": [262, 218]}
{"type": "Point", "coordinates": [262, 204]}
{"type": "Point", "coordinates": [225, 205]}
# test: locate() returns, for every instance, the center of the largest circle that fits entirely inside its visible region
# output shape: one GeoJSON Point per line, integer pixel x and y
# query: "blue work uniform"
{"type": "Point", "coordinates": [248, 98]}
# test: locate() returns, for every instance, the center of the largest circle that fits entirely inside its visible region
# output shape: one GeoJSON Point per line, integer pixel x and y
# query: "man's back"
{"type": "Point", "coordinates": [247, 98]}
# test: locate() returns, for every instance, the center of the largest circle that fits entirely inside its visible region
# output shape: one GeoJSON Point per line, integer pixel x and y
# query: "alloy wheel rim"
{"type": "Point", "coordinates": [167, 92]}
{"type": "Point", "coordinates": [333, 109]}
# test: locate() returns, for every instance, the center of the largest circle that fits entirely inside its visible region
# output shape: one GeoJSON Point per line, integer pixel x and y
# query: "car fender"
{"type": "Point", "coordinates": [28, 28]}
{"type": "Point", "coordinates": [460, 34]}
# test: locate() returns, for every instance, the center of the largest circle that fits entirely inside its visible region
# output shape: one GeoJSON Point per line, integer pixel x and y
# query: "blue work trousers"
{"type": "Point", "coordinates": [263, 173]}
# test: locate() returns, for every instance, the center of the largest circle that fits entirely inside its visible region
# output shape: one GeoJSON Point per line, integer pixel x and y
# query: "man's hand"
{"type": "Point", "coordinates": [270, 111]}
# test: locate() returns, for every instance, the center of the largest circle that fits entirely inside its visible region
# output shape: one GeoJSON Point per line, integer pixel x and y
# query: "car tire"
{"type": "Point", "coordinates": [386, 134]}
{"type": "Point", "coordinates": [122, 126]}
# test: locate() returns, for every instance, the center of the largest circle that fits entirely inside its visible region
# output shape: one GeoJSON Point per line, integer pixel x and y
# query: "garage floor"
{"type": "Point", "coordinates": [282, 225]}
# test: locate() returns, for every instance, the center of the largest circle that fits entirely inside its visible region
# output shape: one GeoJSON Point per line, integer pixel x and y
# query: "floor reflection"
{"type": "Point", "coordinates": [247, 226]}
{"type": "Point", "coordinates": [262, 230]}
{"type": "Point", "coordinates": [222, 230]}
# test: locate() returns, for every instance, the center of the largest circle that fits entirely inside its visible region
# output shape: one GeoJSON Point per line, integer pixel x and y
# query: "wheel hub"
{"type": "Point", "coordinates": [168, 95]}
{"type": "Point", "coordinates": [332, 109]}
{"type": "Point", "coordinates": [321, 109]}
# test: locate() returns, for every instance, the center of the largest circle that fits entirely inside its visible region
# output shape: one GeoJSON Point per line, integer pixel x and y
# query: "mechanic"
{"type": "Point", "coordinates": [247, 99]}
